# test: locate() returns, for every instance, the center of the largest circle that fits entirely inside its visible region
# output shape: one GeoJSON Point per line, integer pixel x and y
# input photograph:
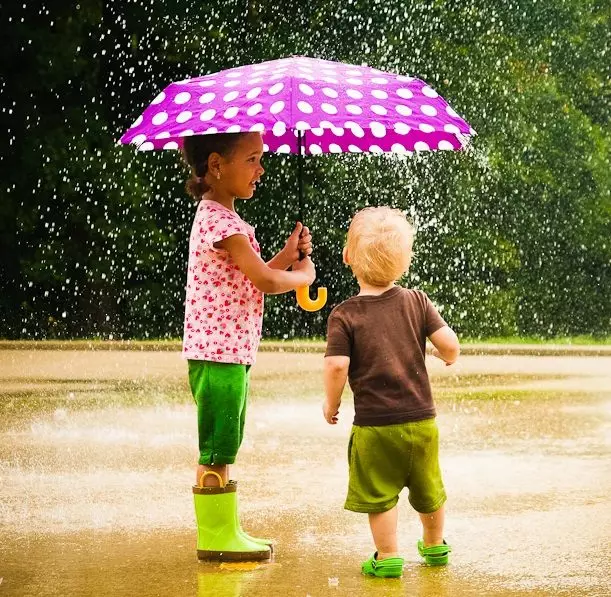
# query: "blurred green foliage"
{"type": "Point", "coordinates": [513, 236]}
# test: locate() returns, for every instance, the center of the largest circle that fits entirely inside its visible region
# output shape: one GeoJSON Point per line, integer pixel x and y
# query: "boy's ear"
{"type": "Point", "coordinates": [345, 256]}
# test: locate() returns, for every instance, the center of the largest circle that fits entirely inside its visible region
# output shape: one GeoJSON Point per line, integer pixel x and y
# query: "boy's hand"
{"type": "Point", "coordinates": [307, 267]}
{"type": "Point", "coordinates": [329, 413]}
{"type": "Point", "coordinates": [299, 243]}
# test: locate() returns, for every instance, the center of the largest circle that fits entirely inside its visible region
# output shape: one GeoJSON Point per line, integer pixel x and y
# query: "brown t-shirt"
{"type": "Point", "coordinates": [385, 338]}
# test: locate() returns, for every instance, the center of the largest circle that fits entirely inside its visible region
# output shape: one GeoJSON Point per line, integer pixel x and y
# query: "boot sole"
{"type": "Point", "coordinates": [234, 556]}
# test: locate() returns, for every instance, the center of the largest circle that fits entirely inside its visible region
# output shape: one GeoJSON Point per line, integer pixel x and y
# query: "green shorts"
{"type": "Point", "coordinates": [384, 459]}
{"type": "Point", "coordinates": [220, 391]}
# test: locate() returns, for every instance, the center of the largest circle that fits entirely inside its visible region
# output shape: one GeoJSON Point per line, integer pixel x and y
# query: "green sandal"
{"type": "Point", "coordinates": [435, 555]}
{"type": "Point", "coordinates": [387, 568]}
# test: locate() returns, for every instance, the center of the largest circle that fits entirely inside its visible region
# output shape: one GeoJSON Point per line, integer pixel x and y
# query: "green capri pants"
{"type": "Point", "coordinates": [220, 391]}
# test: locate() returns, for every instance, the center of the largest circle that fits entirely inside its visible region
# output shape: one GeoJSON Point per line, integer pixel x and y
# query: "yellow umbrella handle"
{"type": "Point", "coordinates": [306, 303]}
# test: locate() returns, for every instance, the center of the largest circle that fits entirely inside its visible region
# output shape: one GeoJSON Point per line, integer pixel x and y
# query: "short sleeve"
{"type": "Point", "coordinates": [216, 225]}
{"type": "Point", "coordinates": [339, 338]}
{"type": "Point", "coordinates": [432, 320]}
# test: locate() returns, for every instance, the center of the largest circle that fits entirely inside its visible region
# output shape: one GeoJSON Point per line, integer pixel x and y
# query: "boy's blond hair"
{"type": "Point", "coordinates": [379, 245]}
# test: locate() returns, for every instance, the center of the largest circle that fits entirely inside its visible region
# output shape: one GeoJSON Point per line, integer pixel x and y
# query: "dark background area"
{"type": "Point", "coordinates": [513, 236]}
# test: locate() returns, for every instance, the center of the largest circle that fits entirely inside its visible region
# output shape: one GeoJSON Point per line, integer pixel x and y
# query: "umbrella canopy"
{"type": "Point", "coordinates": [299, 102]}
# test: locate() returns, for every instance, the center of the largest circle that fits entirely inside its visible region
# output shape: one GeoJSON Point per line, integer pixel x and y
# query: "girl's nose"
{"type": "Point", "coordinates": [261, 171]}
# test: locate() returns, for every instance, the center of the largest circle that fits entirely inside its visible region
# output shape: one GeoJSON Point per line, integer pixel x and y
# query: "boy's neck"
{"type": "Point", "coordinates": [369, 290]}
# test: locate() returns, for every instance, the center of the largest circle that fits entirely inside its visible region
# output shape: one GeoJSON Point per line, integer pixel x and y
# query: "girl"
{"type": "Point", "coordinates": [226, 280]}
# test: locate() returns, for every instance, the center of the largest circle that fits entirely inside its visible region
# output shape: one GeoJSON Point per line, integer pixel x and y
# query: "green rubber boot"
{"type": "Point", "coordinates": [436, 555]}
{"type": "Point", "coordinates": [267, 542]}
{"type": "Point", "coordinates": [218, 531]}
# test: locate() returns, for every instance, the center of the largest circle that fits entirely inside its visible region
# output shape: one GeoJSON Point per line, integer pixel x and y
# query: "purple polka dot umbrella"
{"type": "Point", "coordinates": [322, 106]}
{"type": "Point", "coordinates": [305, 106]}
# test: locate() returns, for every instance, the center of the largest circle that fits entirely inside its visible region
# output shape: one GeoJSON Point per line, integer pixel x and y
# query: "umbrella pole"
{"type": "Point", "coordinates": [303, 293]}
{"type": "Point", "coordinates": [300, 143]}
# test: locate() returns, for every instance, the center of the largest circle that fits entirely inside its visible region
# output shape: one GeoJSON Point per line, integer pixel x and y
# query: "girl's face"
{"type": "Point", "coordinates": [242, 169]}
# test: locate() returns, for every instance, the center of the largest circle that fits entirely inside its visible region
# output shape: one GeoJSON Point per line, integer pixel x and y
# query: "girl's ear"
{"type": "Point", "coordinates": [214, 162]}
{"type": "Point", "coordinates": [345, 256]}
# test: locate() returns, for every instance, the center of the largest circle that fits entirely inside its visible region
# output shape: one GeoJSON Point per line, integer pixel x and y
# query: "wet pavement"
{"type": "Point", "coordinates": [97, 452]}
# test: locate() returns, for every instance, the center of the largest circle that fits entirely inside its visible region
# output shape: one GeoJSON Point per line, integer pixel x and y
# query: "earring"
{"type": "Point", "coordinates": [218, 175]}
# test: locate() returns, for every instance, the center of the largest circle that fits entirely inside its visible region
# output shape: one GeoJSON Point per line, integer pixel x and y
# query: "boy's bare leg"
{"type": "Point", "coordinates": [384, 530]}
{"type": "Point", "coordinates": [432, 527]}
{"type": "Point", "coordinates": [212, 480]}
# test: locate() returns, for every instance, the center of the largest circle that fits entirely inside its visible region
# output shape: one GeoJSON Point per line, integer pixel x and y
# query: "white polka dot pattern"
{"type": "Point", "coordinates": [338, 108]}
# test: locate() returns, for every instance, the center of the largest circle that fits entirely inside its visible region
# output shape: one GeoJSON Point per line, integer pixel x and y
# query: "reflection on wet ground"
{"type": "Point", "coordinates": [97, 452]}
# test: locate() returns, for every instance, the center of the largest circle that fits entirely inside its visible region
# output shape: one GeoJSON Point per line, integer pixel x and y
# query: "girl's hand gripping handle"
{"type": "Point", "coordinates": [303, 293]}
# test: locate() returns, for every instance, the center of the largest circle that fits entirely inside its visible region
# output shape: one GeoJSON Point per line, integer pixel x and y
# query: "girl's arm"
{"type": "Point", "coordinates": [298, 243]}
{"type": "Point", "coordinates": [279, 261]}
{"type": "Point", "coordinates": [335, 375]}
{"type": "Point", "coordinates": [265, 278]}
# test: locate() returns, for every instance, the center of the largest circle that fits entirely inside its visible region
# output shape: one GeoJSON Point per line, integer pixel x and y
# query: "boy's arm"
{"type": "Point", "coordinates": [335, 376]}
{"type": "Point", "coordinates": [446, 344]}
{"type": "Point", "coordinates": [266, 279]}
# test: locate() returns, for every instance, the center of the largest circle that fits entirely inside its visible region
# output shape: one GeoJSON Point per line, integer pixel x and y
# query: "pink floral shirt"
{"type": "Point", "coordinates": [223, 308]}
